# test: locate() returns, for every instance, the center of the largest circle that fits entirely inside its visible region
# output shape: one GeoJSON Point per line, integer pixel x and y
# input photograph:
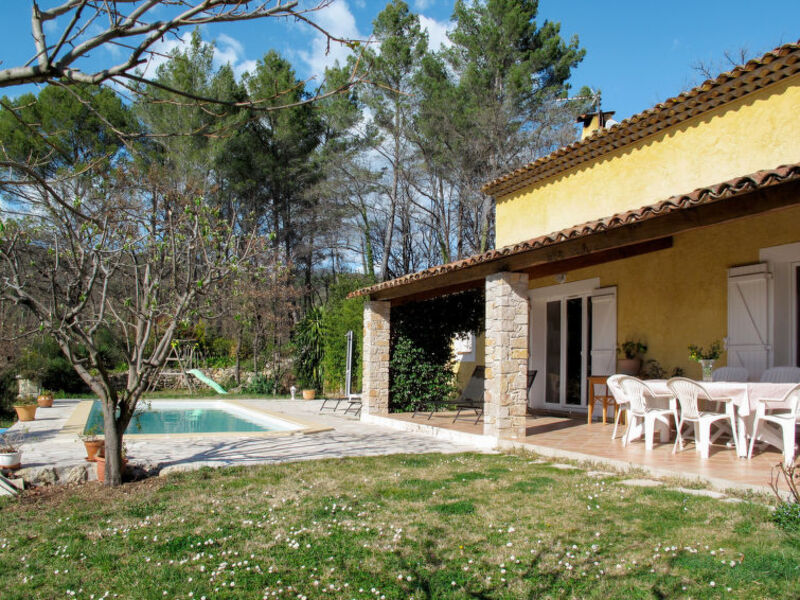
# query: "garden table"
{"type": "Point", "coordinates": [744, 397]}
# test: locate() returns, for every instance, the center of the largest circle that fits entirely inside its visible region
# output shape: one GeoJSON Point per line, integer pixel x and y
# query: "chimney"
{"type": "Point", "coordinates": [593, 121]}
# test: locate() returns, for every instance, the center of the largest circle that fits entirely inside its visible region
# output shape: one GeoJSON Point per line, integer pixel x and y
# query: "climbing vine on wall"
{"type": "Point", "coordinates": [421, 362]}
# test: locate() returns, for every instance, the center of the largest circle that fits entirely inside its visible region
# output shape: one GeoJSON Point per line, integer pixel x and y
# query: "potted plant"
{"type": "Point", "coordinates": [100, 462]}
{"type": "Point", "coordinates": [632, 353]}
{"type": "Point", "coordinates": [93, 441]}
{"type": "Point", "coordinates": [45, 399]}
{"type": "Point", "coordinates": [26, 408]}
{"type": "Point", "coordinates": [706, 358]}
{"type": "Point", "coordinates": [10, 452]}
{"type": "Point", "coordinates": [309, 394]}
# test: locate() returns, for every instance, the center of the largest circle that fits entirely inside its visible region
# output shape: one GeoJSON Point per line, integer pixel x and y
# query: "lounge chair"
{"type": "Point", "coordinates": [470, 399]}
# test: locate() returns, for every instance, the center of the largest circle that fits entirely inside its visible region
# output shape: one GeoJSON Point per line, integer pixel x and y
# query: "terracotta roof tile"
{"type": "Point", "coordinates": [772, 67]}
{"type": "Point", "coordinates": [705, 195]}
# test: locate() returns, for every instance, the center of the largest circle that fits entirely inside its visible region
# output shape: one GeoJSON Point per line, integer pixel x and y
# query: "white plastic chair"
{"type": "Point", "coordinates": [622, 401]}
{"type": "Point", "coordinates": [637, 392]}
{"type": "Point", "coordinates": [687, 392]}
{"type": "Point", "coordinates": [781, 375]}
{"type": "Point", "coordinates": [786, 420]}
{"type": "Point", "coordinates": [730, 374]}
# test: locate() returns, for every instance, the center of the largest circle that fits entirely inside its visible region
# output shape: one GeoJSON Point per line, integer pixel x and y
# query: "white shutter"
{"type": "Point", "coordinates": [604, 331]}
{"type": "Point", "coordinates": [748, 319]}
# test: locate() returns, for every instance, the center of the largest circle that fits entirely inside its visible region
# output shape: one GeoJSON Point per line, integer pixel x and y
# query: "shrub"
{"type": "Point", "coordinates": [418, 381]}
{"type": "Point", "coordinates": [787, 514]}
{"type": "Point", "coordinates": [421, 360]}
{"type": "Point", "coordinates": [44, 363]}
{"type": "Point", "coordinates": [787, 517]}
{"type": "Point", "coordinates": [8, 391]}
{"type": "Point", "coordinates": [261, 384]}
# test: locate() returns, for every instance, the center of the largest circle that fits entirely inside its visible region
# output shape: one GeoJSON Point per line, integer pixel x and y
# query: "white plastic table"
{"type": "Point", "coordinates": [744, 397]}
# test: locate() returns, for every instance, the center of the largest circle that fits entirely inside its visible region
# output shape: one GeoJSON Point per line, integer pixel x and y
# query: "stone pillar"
{"type": "Point", "coordinates": [375, 358]}
{"type": "Point", "coordinates": [505, 386]}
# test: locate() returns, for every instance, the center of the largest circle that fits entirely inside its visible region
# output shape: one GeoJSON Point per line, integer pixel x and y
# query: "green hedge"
{"type": "Point", "coordinates": [341, 315]}
{"type": "Point", "coordinates": [421, 361]}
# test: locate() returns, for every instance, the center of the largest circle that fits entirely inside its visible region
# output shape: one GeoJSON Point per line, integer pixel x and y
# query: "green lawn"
{"type": "Point", "coordinates": [429, 526]}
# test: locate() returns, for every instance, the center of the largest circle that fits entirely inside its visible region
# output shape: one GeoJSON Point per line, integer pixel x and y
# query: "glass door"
{"type": "Point", "coordinates": [568, 325]}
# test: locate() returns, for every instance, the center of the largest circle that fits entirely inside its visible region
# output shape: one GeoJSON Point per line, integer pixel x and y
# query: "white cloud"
{"type": "Point", "coordinates": [423, 4]}
{"type": "Point", "coordinates": [437, 31]}
{"type": "Point", "coordinates": [230, 51]}
{"type": "Point", "coordinates": [245, 66]}
{"type": "Point", "coordinates": [338, 20]}
{"type": "Point", "coordinates": [162, 51]}
{"type": "Point", "coordinates": [227, 50]}
{"type": "Point", "coordinates": [51, 26]}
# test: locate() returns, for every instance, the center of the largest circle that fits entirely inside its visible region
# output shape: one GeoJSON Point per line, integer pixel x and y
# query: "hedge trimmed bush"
{"type": "Point", "coordinates": [340, 315]}
{"type": "Point", "coordinates": [421, 361]}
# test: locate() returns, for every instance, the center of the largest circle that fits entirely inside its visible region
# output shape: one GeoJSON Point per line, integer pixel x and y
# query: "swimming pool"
{"type": "Point", "coordinates": [181, 417]}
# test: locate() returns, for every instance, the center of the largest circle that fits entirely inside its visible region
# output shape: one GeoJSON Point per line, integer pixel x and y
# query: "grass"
{"type": "Point", "coordinates": [422, 526]}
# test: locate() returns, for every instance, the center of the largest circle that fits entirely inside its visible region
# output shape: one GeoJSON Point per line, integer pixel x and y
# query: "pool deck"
{"type": "Point", "coordinates": [60, 454]}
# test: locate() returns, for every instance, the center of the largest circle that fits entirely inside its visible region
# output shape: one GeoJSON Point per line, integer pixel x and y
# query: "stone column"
{"type": "Point", "coordinates": [505, 386]}
{"type": "Point", "coordinates": [375, 358]}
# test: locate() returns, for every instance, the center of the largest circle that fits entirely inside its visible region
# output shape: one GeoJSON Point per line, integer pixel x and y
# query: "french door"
{"type": "Point", "coordinates": [573, 335]}
{"type": "Point", "coordinates": [567, 361]}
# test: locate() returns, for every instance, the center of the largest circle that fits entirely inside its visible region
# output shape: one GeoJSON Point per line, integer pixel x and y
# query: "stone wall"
{"type": "Point", "coordinates": [505, 391]}
{"type": "Point", "coordinates": [375, 380]}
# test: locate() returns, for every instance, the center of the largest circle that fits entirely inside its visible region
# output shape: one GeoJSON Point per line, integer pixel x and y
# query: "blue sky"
{"type": "Point", "coordinates": [638, 53]}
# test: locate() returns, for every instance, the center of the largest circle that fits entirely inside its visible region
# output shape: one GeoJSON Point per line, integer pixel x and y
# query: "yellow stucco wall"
{"type": "Point", "coordinates": [676, 297]}
{"type": "Point", "coordinates": [759, 131]}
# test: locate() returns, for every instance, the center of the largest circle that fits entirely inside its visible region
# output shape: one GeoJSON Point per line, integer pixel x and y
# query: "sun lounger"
{"type": "Point", "coordinates": [351, 404]}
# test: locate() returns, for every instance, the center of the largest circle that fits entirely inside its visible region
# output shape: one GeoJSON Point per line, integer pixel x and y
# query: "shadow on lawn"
{"type": "Point", "coordinates": [332, 444]}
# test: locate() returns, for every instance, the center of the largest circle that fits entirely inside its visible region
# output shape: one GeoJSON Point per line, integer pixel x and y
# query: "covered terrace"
{"type": "Point", "coordinates": [505, 273]}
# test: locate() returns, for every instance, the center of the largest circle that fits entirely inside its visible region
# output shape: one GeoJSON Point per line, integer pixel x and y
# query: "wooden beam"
{"type": "Point", "coordinates": [442, 291]}
{"type": "Point", "coordinates": [647, 230]}
{"type": "Point", "coordinates": [589, 260]}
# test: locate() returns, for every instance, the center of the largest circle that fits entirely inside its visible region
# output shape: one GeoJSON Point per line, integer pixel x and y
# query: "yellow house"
{"type": "Point", "coordinates": [677, 226]}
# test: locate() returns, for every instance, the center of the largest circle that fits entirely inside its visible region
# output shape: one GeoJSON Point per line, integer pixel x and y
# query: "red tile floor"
{"type": "Point", "coordinates": [573, 435]}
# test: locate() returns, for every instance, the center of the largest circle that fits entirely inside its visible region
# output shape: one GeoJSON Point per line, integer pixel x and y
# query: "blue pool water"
{"type": "Point", "coordinates": [171, 417]}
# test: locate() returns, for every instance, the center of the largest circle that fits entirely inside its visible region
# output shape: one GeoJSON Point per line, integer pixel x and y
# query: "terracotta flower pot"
{"type": "Point", "coordinates": [45, 400]}
{"type": "Point", "coordinates": [27, 412]}
{"type": "Point", "coordinates": [10, 460]}
{"type": "Point", "coordinates": [629, 366]}
{"type": "Point", "coordinates": [309, 394]}
{"type": "Point", "coordinates": [100, 463]}
{"type": "Point", "coordinates": [92, 448]}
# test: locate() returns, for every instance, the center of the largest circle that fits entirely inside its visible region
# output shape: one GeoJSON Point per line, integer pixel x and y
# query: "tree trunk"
{"type": "Point", "coordinates": [255, 353]}
{"type": "Point", "coordinates": [237, 369]}
{"type": "Point", "coordinates": [113, 446]}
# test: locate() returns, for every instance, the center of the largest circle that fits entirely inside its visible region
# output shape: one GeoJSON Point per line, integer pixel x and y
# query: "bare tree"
{"type": "Point", "coordinates": [137, 27]}
{"type": "Point", "coordinates": [133, 254]}
{"type": "Point", "coordinates": [104, 239]}
{"type": "Point", "coordinates": [709, 69]}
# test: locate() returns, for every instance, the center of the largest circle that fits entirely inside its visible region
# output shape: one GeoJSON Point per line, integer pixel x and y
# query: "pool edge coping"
{"type": "Point", "coordinates": [76, 422]}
